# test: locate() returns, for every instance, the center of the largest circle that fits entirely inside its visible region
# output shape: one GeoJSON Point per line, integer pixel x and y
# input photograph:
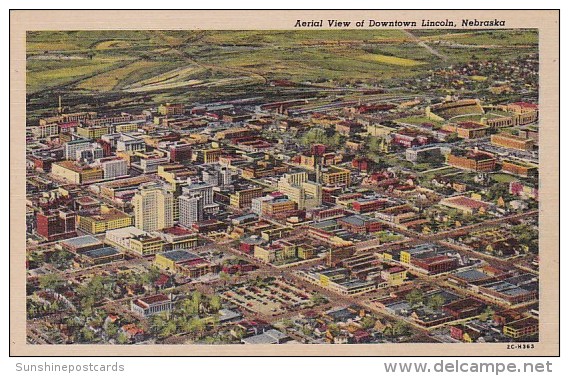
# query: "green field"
{"type": "Point", "coordinates": [518, 38]}
{"type": "Point", "coordinates": [418, 120]}
{"type": "Point", "coordinates": [159, 65]}
{"type": "Point", "coordinates": [503, 178]}
{"type": "Point", "coordinates": [391, 60]}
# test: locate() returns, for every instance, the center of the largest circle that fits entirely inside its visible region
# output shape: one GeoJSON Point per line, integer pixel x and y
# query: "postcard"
{"type": "Point", "coordinates": [326, 183]}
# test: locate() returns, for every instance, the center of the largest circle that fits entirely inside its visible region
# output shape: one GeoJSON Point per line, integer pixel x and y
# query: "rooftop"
{"type": "Point", "coordinates": [471, 275]}
{"type": "Point", "coordinates": [180, 256]}
{"type": "Point", "coordinates": [154, 299]}
{"type": "Point", "coordinates": [176, 230]}
{"type": "Point", "coordinates": [100, 252]}
{"type": "Point", "coordinates": [465, 202]}
{"type": "Point", "coordinates": [81, 241]}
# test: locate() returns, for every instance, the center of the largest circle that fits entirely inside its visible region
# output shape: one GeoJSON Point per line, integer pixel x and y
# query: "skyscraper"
{"type": "Point", "coordinates": [298, 188]}
{"type": "Point", "coordinates": [191, 209]}
{"type": "Point", "coordinates": [153, 207]}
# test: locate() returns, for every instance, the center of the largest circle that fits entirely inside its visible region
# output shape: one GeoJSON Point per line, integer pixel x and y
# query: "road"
{"type": "Point", "coordinates": [425, 45]}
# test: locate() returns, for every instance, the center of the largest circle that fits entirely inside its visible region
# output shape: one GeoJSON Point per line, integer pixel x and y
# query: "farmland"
{"type": "Point", "coordinates": [391, 60]}
{"type": "Point", "coordinates": [153, 66]}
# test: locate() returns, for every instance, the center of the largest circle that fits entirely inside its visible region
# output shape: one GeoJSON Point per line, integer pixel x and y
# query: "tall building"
{"type": "Point", "coordinates": [217, 176]}
{"type": "Point", "coordinates": [512, 142]}
{"type": "Point", "coordinates": [195, 201]}
{"type": "Point", "coordinates": [191, 209]}
{"type": "Point", "coordinates": [76, 173]}
{"type": "Point", "coordinates": [298, 188]}
{"type": "Point", "coordinates": [113, 167]}
{"type": "Point", "coordinates": [90, 155]}
{"type": "Point", "coordinates": [153, 207]}
{"type": "Point", "coordinates": [244, 195]}
{"type": "Point", "coordinates": [72, 147]}
{"type": "Point", "coordinates": [170, 109]}
{"type": "Point", "coordinates": [202, 188]}
{"type": "Point", "coordinates": [336, 176]}
{"type": "Point", "coordinates": [211, 176]}
{"type": "Point", "coordinates": [56, 224]}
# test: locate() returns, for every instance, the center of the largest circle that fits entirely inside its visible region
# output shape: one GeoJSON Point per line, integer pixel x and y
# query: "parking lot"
{"type": "Point", "coordinates": [269, 298]}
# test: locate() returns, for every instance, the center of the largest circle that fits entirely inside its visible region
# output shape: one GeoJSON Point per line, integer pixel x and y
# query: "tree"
{"type": "Point", "coordinates": [209, 340]}
{"type": "Point", "coordinates": [168, 329]}
{"type": "Point", "coordinates": [400, 328]}
{"type": "Point", "coordinates": [157, 323]}
{"type": "Point", "coordinates": [61, 259]}
{"type": "Point", "coordinates": [196, 301]}
{"type": "Point", "coordinates": [415, 297]}
{"type": "Point", "coordinates": [315, 136]}
{"type": "Point", "coordinates": [195, 327]}
{"type": "Point", "coordinates": [87, 304]}
{"type": "Point", "coordinates": [334, 330]}
{"type": "Point", "coordinates": [488, 312]}
{"type": "Point", "coordinates": [224, 277]}
{"type": "Point", "coordinates": [86, 335]}
{"type": "Point", "coordinates": [154, 273]}
{"type": "Point", "coordinates": [111, 330]}
{"type": "Point", "coordinates": [368, 322]}
{"type": "Point", "coordinates": [186, 307]}
{"type": "Point", "coordinates": [435, 301]}
{"type": "Point", "coordinates": [215, 303]}
{"type": "Point", "coordinates": [239, 332]}
{"type": "Point", "coordinates": [318, 299]}
{"type": "Point", "coordinates": [122, 338]}
{"type": "Point", "coordinates": [287, 323]}
{"type": "Point", "coordinates": [36, 259]}
{"type": "Point", "coordinates": [51, 282]}
{"type": "Point", "coordinates": [32, 309]}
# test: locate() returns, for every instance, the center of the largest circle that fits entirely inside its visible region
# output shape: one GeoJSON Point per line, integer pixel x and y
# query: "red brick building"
{"type": "Point", "coordinates": [464, 308]}
{"type": "Point", "coordinates": [56, 224]}
{"type": "Point", "coordinates": [436, 264]}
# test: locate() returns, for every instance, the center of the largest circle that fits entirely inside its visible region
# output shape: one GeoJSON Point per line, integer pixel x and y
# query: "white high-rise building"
{"type": "Point", "coordinates": [202, 188]}
{"type": "Point", "coordinates": [217, 176]}
{"type": "Point", "coordinates": [211, 177]}
{"type": "Point", "coordinates": [191, 209]}
{"type": "Point", "coordinates": [90, 155]}
{"type": "Point", "coordinates": [72, 147]}
{"type": "Point", "coordinates": [257, 204]}
{"type": "Point", "coordinates": [153, 207]}
{"type": "Point", "coordinates": [113, 167]}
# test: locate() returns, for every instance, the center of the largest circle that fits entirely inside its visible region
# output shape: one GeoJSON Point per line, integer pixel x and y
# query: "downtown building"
{"type": "Point", "coordinates": [298, 188]}
{"type": "Point", "coordinates": [113, 167]}
{"type": "Point", "coordinates": [196, 201]}
{"type": "Point", "coordinates": [153, 207]}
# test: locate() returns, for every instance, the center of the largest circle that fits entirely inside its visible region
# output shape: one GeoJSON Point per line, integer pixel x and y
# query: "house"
{"type": "Point", "coordinates": [251, 327]}
{"type": "Point", "coordinates": [465, 333]}
{"type": "Point", "coordinates": [269, 337]}
{"type": "Point", "coordinates": [227, 315]}
{"type": "Point", "coordinates": [361, 336]}
{"type": "Point", "coordinates": [163, 281]}
{"type": "Point", "coordinates": [151, 305]}
{"type": "Point", "coordinates": [394, 276]}
{"type": "Point", "coordinates": [133, 332]}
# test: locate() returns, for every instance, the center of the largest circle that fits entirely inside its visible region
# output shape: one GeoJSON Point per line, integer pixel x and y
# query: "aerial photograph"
{"type": "Point", "coordinates": [277, 187]}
